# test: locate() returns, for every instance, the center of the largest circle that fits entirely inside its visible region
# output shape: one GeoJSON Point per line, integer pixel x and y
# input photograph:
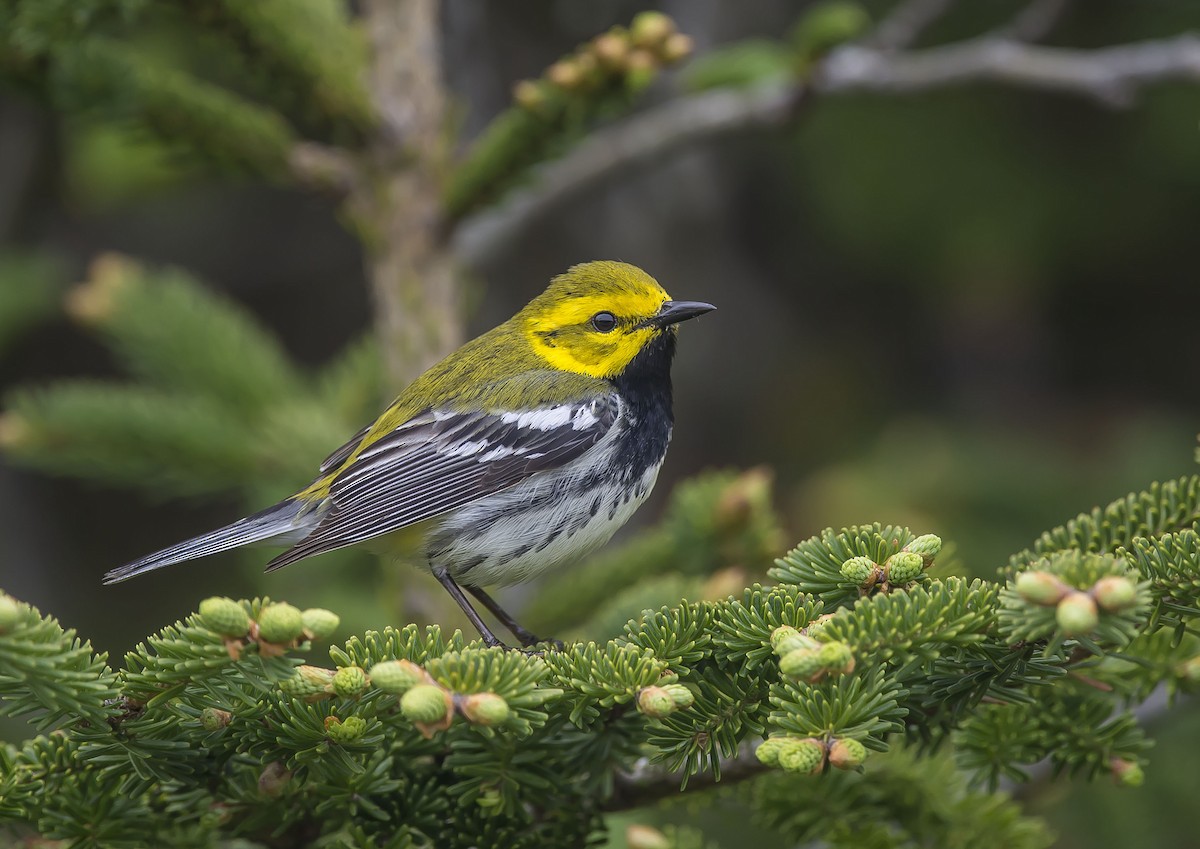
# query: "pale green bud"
{"type": "Point", "coordinates": [904, 567]}
{"type": "Point", "coordinates": [320, 623]}
{"type": "Point", "coordinates": [611, 50]}
{"type": "Point", "coordinates": [280, 623]}
{"type": "Point", "coordinates": [1115, 593]}
{"type": "Point", "coordinates": [1076, 615]}
{"type": "Point", "coordinates": [565, 74]}
{"type": "Point", "coordinates": [10, 613]}
{"type": "Point", "coordinates": [676, 48]}
{"type": "Point", "coordinates": [215, 719]}
{"type": "Point", "coordinates": [785, 639]}
{"type": "Point", "coordinates": [349, 681]}
{"type": "Point", "coordinates": [926, 545]}
{"type": "Point", "coordinates": [426, 704]}
{"type": "Point", "coordinates": [768, 750]}
{"type": "Point", "coordinates": [803, 756]}
{"type": "Point", "coordinates": [655, 702]}
{"type": "Point", "coordinates": [836, 657]}
{"type": "Point", "coordinates": [396, 676]}
{"type": "Point", "coordinates": [225, 616]}
{"type": "Point", "coordinates": [348, 730]}
{"type": "Point", "coordinates": [802, 665]}
{"type": "Point", "coordinates": [650, 29]}
{"type": "Point", "coordinates": [815, 627]}
{"type": "Point", "coordinates": [1189, 670]}
{"type": "Point", "coordinates": [847, 753]}
{"type": "Point", "coordinates": [1127, 773]}
{"type": "Point", "coordinates": [485, 709]}
{"type": "Point", "coordinates": [311, 683]}
{"type": "Point", "coordinates": [862, 571]}
{"type": "Point", "coordinates": [1038, 587]}
{"type": "Point", "coordinates": [681, 695]}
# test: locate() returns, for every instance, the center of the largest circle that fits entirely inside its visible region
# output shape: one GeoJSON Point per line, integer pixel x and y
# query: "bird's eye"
{"type": "Point", "coordinates": [604, 322]}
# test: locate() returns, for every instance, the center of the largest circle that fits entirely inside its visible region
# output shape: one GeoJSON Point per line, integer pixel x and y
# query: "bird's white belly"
{"type": "Point", "coordinates": [543, 522]}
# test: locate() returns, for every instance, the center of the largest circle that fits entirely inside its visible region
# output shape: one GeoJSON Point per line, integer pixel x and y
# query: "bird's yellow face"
{"type": "Point", "coordinates": [598, 316]}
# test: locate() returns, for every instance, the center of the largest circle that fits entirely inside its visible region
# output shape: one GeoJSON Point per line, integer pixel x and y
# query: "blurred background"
{"type": "Point", "coordinates": [970, 311]}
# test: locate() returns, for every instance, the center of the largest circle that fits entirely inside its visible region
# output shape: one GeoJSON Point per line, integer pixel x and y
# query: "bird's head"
{"type": "Point", "coordinates": [598, 316]}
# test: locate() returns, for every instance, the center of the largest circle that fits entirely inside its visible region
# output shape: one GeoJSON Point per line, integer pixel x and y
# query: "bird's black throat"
{"type": "Point", "coordinates": [645, 387]}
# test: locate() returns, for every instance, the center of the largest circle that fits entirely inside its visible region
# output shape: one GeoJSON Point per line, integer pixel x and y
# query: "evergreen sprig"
{"type": "Point", "coordinates": [415, 737]}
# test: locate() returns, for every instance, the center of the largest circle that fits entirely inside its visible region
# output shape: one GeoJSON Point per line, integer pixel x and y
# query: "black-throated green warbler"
{"type": "Point", "coordinates": [524, 449]}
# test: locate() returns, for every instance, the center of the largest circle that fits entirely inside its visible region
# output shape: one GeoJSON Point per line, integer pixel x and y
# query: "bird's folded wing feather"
{"type": "Point", "coordinates": [441, 460]}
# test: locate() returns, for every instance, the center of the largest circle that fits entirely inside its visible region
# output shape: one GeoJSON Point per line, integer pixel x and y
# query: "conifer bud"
{"type": "Point", "coordinates": [311, 683]}
{"type": "Point", "coordinates": [92, 302]}
{"type": "Point", "coordinates": [1038, 587]}
{"type": "Point", "coordinates": [815, 627]}
{"type": "Point", "coordinates": [904, 567]}
{"type": "Point", "coordinates": [15, 431]}
{"type": "Point", "coordinates": [529, 96]}
{"type": "Point", "coordinates": [681, 695]}
{"type": "Point", "coordinates": [348, 730]}
{"type": "Point", "coordinates": [426, 704]}
{"type": "Point", "coordinates": [349, 681]}
{"type": "Point", "coordinates": [319, 623]}
{"type": "Point", "coordinates": [485, 709]}
{"type": "Point", "coordinates": [225, 616]}
{"type": "Point", "coordinates": [862, 571]}
{"type": "Point", "coordinates": [396, 676]}
{"type": "Point", "coordinates": [1189, 670]}
{"type": "Point", "coordinates": [785, 639]}
{"type": "Point", "coordinates": [1127, 773]}
{"type": "Point", "coordinates": [280, 623]}
{"type": "Point", "coordinates": [1076, 615]}
{"type": "Point", "coordinates": [565, 74]}
{"type": "Point", "coordinates": [273, 779]}
{"type": "Point", "coordinates": [802, 665]}
{"type": "Point", "coordinates": [650, 29]}
{"type": "Point", "coordinates": [655, 702]}
{"type": "Point", "coordinates": [803, 756]}
{"type": "Point", "coordinates": [215, 719]}
{"type": "Point", "coordinates": [641, 67]}
{"type": "Point", "coordinates": [676, 48]}
{"type": "Point", "coordinates": [610, 50]}
{"type": "Point", "coordinates": [926, 545]}
{"type": "Point", "coordinates": [836, 657]}
{"type": "Point", "coordinates": [847, 753]}
{"type": "Point", "coordinates": [768, 750]}
{"type": "Point", "coordinates": [1115, 593]}
{"type": "Point", "coordinates": [10, 613]}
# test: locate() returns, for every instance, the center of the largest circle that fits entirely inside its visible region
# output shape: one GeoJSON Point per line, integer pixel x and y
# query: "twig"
{"type": "Point", "coordinates": [905, 23]}
{"type": "Point", "coordinates": [646, 784]}
{"type": "Point", "coordinates": [322, 167]}
{"type": "Point", "coordinates": [1110, 75]}
{"type": "Point", "coordinates": [635, 141]}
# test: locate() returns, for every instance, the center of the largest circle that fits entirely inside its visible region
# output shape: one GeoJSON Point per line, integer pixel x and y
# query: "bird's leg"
{"type": "Point", "coordinates": [456, 593]}
{"type": "Point", "coordinates": [527, 639]}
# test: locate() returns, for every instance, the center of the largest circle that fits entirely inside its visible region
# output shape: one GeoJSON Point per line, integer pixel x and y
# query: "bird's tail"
{"type": "Point", "coordinates": [285, 523]}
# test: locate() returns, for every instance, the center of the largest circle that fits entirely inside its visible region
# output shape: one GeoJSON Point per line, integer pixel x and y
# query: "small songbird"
{"type": "Point", "coordinates": [525, 449]}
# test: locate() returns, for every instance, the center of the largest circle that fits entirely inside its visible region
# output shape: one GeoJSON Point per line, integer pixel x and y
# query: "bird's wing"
{"type": "Point", "coordinates": [342, 454]}
{"type": "Point", "coordinates": [441, 460]}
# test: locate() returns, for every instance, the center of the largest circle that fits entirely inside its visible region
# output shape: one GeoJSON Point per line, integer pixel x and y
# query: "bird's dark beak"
{"type": "Point", "coordinates": [673, 312]}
